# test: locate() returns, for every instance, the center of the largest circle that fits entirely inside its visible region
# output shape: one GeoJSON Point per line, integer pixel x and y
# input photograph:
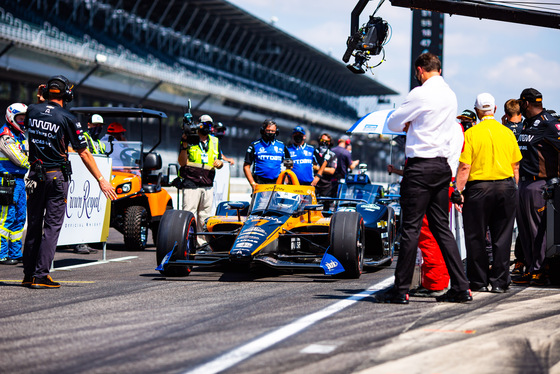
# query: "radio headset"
{"type": "Point", "coordinates": [59, 84]}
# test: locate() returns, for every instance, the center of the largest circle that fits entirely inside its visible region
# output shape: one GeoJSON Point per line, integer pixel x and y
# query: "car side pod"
{"type": "Point", "coordinates": [165, 261]}
{"type": "Point", "coordinates": [331, 265]}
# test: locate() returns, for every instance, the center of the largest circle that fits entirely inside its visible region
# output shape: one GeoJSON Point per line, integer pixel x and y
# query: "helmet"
{"type": "Point", "coordinates": [12, 111]}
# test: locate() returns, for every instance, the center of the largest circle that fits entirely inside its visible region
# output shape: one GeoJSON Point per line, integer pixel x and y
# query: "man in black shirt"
{"type": "Point", "coordinates": [324, 186]}
{"type": "Point", "coordinates": [539, 143]}
{"type": "Point", "coordinates": [51, 129]}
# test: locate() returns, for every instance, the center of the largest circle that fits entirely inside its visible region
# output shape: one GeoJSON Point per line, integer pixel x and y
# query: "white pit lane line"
{"type": "Point", "coordinates": [235, 356]}
{"type": "Point", "coordinates": [99, 262]}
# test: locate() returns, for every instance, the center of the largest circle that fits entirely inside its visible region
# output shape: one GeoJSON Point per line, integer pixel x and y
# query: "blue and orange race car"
{"type": "Point", "coordinates": [283, 227]}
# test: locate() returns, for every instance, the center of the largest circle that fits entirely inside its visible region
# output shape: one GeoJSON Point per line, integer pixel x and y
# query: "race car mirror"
{"type": "Point", "coordinates": [312, 207]}
{"type": "Point", "coordinates": [238, 206]}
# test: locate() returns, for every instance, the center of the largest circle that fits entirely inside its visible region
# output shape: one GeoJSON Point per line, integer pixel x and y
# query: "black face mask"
{"type": "Point", "coordinates": [298, 138]}
{"type": "Point", "coordinates": [205, 129]}
{"type": "Point", "coordinates": [95, 131]}
{"type": "Point", "coordinates": [324, 144]}
{"type": "Point", "coordinates": [466, 125]}
{"type": "Point", "coordinates": [268, 137]}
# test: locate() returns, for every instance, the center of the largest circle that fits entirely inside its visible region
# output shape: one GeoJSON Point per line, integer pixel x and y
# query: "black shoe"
{"type": "Point", "coordinates": [479, 289]}
{"type": "Point", "coordinates": [498, 290]}
{"type": "Point", "coordinates": [393, 297]}
{"type": "Point", "coordinates": [453, 296]}
{"type": "Point", "coordinates": [539, 280]}
{"type": "Point", "coordinates": [44, 282]}
{"type": "Point", "coordinates": [27, 281]}
{"type": "Point", "coordinates": [424, 292]}
{"type": "Point", "coordinates": [523, 279]}
{"type": "Point", "coordinates": [9, 261]}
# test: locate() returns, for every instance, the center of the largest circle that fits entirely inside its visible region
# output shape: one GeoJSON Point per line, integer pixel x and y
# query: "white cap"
{"type": "Point", "coordinates": [205, 118]}
{"type": "Point", "coordinates": [96, 118]}
{"type": "Point", "coordinates": [485, 102]}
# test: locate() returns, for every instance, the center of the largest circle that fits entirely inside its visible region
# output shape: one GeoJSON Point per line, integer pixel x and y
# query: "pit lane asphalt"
{"type": "Point", "coordinates": [124, 317]}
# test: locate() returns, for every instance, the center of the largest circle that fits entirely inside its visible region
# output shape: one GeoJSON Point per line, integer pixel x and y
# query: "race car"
{"type": "Point", "coordinates": [380, 213]}
{"type": "Point", "coordinates": [283, 227]}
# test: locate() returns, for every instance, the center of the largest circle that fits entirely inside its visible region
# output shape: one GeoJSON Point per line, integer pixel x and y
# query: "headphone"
{"type": "Point", "coordinates": [266, 123]}
{"type": "Point", "coordinates": [54, 85]}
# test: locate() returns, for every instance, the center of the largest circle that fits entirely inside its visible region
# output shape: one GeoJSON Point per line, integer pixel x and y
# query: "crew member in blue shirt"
{"type": "Point", "coordinates": [266, 155]}
{"type": "Point", "coordinates": [304, 156]}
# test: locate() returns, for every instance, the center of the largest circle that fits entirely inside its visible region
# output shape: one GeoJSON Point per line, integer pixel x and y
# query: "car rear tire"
{"type": "Point", "coordinates": [176, 226]}
{"type": "Point", "coordinates": [347, 242]}
{"type": "Point", "coordinates": [135, 228]}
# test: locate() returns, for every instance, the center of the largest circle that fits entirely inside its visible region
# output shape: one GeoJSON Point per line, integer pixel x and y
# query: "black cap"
{"type": "Point", "coordinates": [531, 95]}
{"type": "Point", "coordinates": [467, 114]}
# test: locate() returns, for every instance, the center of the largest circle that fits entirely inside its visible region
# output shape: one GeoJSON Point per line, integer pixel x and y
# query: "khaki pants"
{"type": "Point", "coordinates": [199, 202]}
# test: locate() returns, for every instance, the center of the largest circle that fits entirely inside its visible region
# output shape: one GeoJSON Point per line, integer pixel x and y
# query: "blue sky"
{"type": "Point", "coordinates": [479, 55]}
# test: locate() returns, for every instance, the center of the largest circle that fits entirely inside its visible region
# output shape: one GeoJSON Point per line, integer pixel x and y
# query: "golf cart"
{"type": "Point", "coordinates": [141, 201]}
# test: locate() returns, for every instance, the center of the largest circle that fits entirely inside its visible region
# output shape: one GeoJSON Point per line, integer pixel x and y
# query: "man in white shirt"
{"type": "Point", "coordinates": [428, 117]}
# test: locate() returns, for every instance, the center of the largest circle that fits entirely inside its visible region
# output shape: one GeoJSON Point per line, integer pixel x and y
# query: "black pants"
{"type": "Point", "coordinates": [531, 221]}
{"type": "Point", "coordinates": [323, 189]}
{"type": "Point", "coordinates": [425, 190]}
{"type": "Point", "coordinates": [45, 212]}
{"type": "Point", "coordinates": [489, 204]}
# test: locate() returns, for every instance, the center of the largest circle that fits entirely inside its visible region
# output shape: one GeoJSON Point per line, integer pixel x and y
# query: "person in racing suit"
{"type": "Point", "coordinates": [13, 167]}
{"type": "Point", "coordinates": [267, 155]}
{"type": "Point", "coordinates": [304, 157]}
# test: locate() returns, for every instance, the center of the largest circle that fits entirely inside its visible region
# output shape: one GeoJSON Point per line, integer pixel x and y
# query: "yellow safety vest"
{"type": "Point", "coordinates": [203, 159]}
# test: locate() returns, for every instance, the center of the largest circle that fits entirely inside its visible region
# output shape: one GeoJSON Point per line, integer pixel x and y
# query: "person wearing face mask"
{"type": "Point", "coordinates": [198, 168]}
{"type": "Point", "coordinates": [95, 126]}
{"type": "Point", "coordinates": [539, 142]}
{"type": "Point", "coordinates": [324, 185]}
{"type": "Point", "coordinates": [266, 155]}
{"type": "Point", "coordinates": [13, 167]}
{"type": "Point", "coordinates": [304, 157]}
{"type": "Point", "coordinates": [467, 119]}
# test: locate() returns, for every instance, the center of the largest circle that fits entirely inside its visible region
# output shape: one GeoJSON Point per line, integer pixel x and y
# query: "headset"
{"type": "Point", "coordinates": [266, 123]}
{"type": "Point", "coordinates": [54, 86]}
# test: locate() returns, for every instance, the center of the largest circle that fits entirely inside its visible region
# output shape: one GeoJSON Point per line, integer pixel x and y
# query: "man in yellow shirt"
{"type": "Point", "coordinates": [488, 173]}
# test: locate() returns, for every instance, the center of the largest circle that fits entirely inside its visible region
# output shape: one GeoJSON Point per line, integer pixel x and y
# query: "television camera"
{"type": "Point", "coordinates": [190, 128]}
{"type": "Point", "coordinates": [366, 41]}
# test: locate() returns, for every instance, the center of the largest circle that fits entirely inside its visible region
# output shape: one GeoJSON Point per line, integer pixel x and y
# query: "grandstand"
{"type": "Point", "coordinates": [158, 54]}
